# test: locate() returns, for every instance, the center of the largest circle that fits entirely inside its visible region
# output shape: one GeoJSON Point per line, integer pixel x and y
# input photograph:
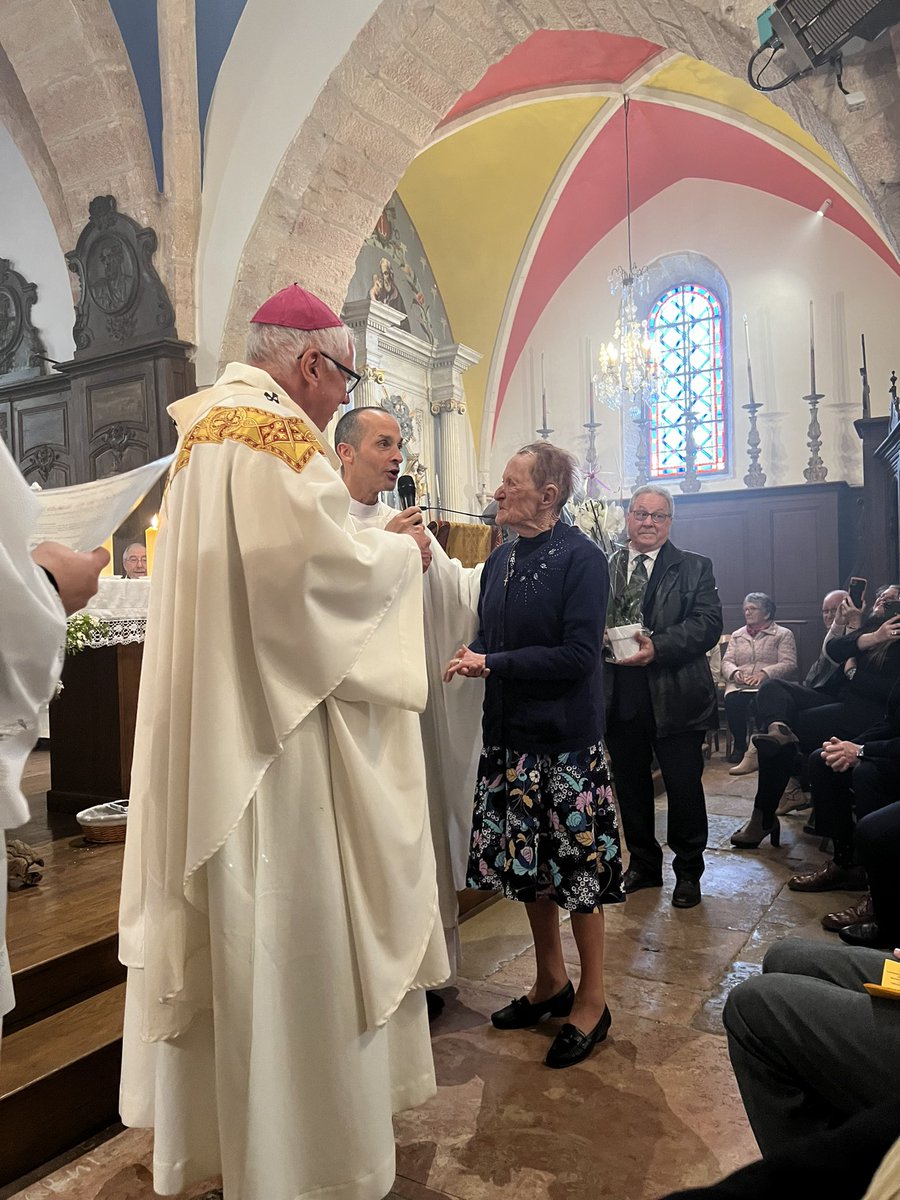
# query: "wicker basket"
{"type": "Point", "coordinates": [104, 822]}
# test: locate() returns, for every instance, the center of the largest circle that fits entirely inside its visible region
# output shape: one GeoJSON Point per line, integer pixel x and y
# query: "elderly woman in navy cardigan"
{"type": "Point", "coordinates": [544, 827]}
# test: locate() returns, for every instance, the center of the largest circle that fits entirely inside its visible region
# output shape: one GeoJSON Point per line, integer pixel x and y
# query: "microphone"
{"type": "Point", "coordinates": [406, 490]}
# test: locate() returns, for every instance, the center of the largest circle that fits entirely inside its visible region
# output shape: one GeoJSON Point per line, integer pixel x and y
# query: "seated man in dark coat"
{"type": "Point", "coordinates": [662, 700]}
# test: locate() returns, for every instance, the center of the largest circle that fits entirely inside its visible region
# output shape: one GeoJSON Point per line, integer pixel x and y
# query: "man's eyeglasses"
{"type": "Point", "coordinates": [352, 377]}
{"type": "Point", "coordinates": [658, 518]}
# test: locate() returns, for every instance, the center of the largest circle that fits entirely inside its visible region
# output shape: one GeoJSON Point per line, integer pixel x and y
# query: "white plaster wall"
{"type": "Point", "coordinates": [776, 258]}
{"type": "Point", "coordinates": [280, 57]}
{"type": "Point", "coordinates": [29, 241]}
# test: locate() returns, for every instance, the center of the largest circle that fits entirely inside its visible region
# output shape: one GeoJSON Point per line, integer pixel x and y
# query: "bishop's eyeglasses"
{"type": "Point", "coordinates": [351, 376]}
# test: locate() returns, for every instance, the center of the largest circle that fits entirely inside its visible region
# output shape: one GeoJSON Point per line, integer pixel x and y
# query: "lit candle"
{"type": "Point", "coordinates": [543, 396]}
{"type": "Point", "coordinates": [437, 492]}
{"type": "Point", "coordinates": [812, 353]}
{"type": "Point", "coordinates": [150, 540]}
{"type": "Point", "coordinates": [109, 569]}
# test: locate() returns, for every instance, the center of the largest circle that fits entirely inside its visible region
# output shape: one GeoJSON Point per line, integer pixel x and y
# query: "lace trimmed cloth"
{"type": "Point", "coordinates": [121, 604]}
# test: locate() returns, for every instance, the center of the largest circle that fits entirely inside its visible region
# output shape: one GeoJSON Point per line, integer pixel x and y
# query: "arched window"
{"type": "Point", "coordinates": [686, 322]}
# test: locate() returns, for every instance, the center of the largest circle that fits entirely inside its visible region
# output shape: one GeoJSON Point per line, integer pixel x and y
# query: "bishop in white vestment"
{"type": "Point", "coordinates": [279, 906]}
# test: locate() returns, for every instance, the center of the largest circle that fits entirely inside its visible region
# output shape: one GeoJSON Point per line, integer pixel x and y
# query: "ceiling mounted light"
{"type": "Point", "coordinates": [823, 208]}
{"type": "Point", "coordinates": [628, 365]}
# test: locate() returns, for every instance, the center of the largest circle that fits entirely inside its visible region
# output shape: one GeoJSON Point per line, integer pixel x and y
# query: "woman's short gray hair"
{"type": "Point", "coordinates": [553, 465]}
{"type": "Point", "coordinates": [764, 603]}
{"type": "Point", "coordinates": [653, 489]}
{"type": "Point", "coordinates": [279, 347]}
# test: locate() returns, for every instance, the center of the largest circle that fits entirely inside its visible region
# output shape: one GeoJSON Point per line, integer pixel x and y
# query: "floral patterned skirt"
{"type": "Point", "coordinates": [545, 828]}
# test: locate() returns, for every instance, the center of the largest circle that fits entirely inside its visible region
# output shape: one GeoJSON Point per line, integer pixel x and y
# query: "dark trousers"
{"type": "Point", "coordinates": [813, 726]}
{"type": "Point", "coordinates": [631, 744]}
{"type": "Point", "coordinates": [878, 847]}
{"type": "Point", "coordinates": [813, 715]}
{"type": "Point", "coordinates": [869, 786]}
{"type": "Point", "coordinates": [738, 706]}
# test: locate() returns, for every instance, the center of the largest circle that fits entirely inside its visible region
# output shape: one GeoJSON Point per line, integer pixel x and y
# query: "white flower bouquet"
{"type": "Point", "coordinates": [601, 520]}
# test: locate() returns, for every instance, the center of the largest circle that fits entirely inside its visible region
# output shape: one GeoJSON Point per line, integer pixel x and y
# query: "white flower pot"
{"type": "Point", "coordinates": [622, 641]}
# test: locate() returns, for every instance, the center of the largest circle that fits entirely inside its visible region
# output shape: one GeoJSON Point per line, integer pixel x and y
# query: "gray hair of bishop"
{"type": "Point", "coordinates": [653, 489]}
{"type": "Point", "coordinates": [279, 347]}
{"type": "Point", "coordinates": [764, 603]}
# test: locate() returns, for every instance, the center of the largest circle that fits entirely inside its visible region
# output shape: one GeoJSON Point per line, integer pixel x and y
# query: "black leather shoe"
{"type": "Point", "coordinates": [435, 1004]}
{"type": "Point", "coordinates": [866, 933]}
{"type": "Point", "coordinates": [571, 1046]}
{"type": "Point", "coordinates": [686, 893]}
{"type": "Point", "coordinates": [634, 879]}
{"type": "Point", "coordinates": [522, 1013]}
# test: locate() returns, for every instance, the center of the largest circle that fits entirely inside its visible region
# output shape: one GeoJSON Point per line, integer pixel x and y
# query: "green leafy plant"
{"type": "Point", "coordinates": [80, 629]}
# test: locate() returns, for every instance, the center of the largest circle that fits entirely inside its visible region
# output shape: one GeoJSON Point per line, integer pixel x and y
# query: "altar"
{"type": "Point", "coordinates": [92, 720]}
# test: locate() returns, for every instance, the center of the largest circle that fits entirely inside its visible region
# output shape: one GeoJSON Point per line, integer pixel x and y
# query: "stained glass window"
{"type": "Point", "coordinates": [686, 322]}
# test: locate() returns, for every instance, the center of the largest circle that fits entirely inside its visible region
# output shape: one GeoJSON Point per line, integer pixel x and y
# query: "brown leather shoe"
{"type": "Point", "coordinates": [856, 914]}
{"type": "Point", "coordinates": [830, 878]}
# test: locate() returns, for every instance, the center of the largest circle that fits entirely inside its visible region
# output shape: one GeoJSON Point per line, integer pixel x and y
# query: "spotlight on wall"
{"type": "Point", "coordinates": [823, 208]}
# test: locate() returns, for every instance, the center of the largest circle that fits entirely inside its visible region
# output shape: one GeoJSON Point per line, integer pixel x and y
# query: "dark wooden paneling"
{"type": "Point", "coordinates": [120, 425]}
{"type": "Point", "coordinates": [788, 542]}
{"type": "Point", "coordinates": [92, 728]}
{"type": "Point", "coordinates": [879, 528]}
{"type": "Point", "coordinates": [47, 440]}
{"type": "Point", "coordinates": [6, 424]}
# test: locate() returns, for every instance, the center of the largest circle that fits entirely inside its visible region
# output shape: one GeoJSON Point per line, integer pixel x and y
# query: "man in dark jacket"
{"type": "Point", "coordinates": [662, 699]}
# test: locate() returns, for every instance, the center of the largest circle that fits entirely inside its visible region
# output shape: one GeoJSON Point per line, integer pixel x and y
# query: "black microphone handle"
{"type": "Point", "coordinates": [406, 490]}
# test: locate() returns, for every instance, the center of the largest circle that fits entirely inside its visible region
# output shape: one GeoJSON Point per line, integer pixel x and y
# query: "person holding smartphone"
{"type": "Point", "coordinates": [860, 701]}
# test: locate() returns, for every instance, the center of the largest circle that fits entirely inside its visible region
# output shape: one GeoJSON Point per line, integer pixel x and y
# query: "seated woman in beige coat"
{"type": "Point", "coordinates": [758, 651]}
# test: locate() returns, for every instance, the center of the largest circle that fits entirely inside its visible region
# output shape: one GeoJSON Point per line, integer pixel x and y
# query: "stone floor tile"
{"type": "Point", "coordinates": [709, 1017]}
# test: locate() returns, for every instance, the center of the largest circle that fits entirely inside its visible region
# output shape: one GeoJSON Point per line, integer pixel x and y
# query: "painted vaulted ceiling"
{"type": "Point", "coordinates": [526, 175]}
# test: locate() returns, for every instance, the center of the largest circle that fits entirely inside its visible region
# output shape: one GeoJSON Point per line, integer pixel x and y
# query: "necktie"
{"type": "Point", "coordinates": [629, 608]}
{"type": "Point", "coordinates": [639, 577]}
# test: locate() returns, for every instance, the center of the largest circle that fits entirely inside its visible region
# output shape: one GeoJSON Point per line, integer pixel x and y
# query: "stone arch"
{"type": "Point", "coordinates": [74, 109]}
{"type": "Point", "coordinates": [404, 71]}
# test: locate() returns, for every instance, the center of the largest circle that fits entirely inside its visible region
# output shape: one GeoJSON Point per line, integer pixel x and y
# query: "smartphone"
{"type": "Point", "coordinates": [857, 590]}
{"type": "Point", "coordinates": [891, 609]}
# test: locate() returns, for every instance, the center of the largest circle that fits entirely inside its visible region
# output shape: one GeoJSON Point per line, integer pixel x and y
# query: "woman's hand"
{"type": "Point", "coordinates": [848, 616]}
{"type": "Point", "coordinates": [466, 663]}
{"type": "Point", "coordinates": [749, 680]}
{"type": "Point", "coordinates": [884, 633]}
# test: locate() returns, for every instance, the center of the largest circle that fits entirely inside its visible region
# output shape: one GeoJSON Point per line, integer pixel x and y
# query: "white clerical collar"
{"type": "Point", "coordinates": [363, 512]}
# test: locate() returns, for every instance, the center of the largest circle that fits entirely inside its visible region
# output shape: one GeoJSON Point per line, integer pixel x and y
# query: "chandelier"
{"type": "Point", "coordinates": [628, 365]}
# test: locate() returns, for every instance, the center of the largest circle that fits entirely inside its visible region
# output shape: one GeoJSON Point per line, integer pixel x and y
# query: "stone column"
{"type": "Point", "coordinates": [368, 321]}
{"type": "Point", "coordinates": [458, 478]}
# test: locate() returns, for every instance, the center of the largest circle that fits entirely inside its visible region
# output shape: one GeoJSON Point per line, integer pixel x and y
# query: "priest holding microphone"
{"type": "Point", "coordinates": [369, 443]}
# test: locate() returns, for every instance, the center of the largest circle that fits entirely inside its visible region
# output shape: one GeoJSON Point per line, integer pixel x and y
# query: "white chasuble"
{"type": "Point", "coordinates": [32, 635]}
{"type": "Point", "coordinates": [279, 904]}
{"type": "Point", "coordinates": [451, 722]}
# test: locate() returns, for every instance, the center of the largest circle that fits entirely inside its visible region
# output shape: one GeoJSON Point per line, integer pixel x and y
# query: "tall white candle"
{"type": "Point", "coordinates": [544, 424]}
{"type": "Point", "coordinates": [812, 353]}
{"type": "Point", "coordinates": [590, 381]}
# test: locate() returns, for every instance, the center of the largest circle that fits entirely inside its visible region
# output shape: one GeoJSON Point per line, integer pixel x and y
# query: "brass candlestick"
{"type": "Point", "coordinates": [816, 469]}
{"type": "Point", "coordinates": [641, 417]}
{"type": "Point", "coordinates": [755, 476]}
{"type": "Point", "coordinates": [690, 481]}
